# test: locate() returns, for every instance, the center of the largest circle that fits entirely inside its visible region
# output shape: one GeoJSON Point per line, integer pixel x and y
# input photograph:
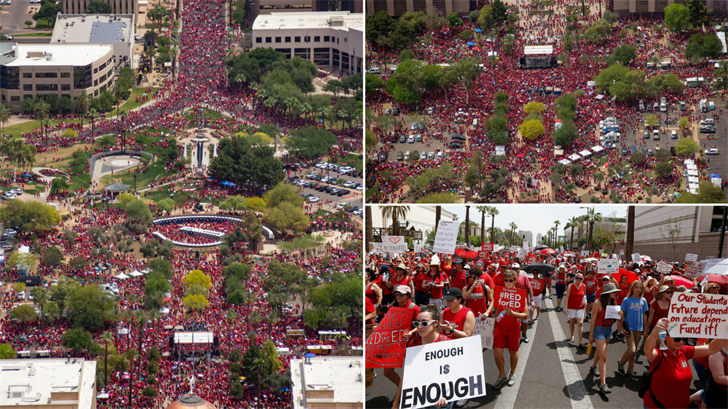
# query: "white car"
{"type": "Point", "coordinates": [313, 199]}
{"type": "Point", "coordinates": [17, 191]}
{"type": "Point", "coordinates": [359, 187]}
{"type": "Point", "coordinates": [707, 121]}
{"type": "Point", "coordinates": [322, 165]}
{"type": "Point", "coordinates": [411, 139]}
{"type": "Point", "coordinates": [712, 151]}
{"type": "Point", "coordinates": [8, 196]}
{"type": "Point", "coordinates": [345, 169]}
{"type": "Point", "coordinates": [423, 155]}
{"type": "Point", "coordinates": [439, 155]}
{"type": "Point", "coordinates": [350, 184]}
{"type": "Point", "coordinates": [407, 155]}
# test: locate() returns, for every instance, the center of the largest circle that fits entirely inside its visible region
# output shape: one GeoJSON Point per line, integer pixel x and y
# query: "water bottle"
{"type": "Point", "coordinates": [500, 316]}
{"type": "Point", "coordinates": [663, 335]}
{"type": "Point", "coordinates": [589, 349]}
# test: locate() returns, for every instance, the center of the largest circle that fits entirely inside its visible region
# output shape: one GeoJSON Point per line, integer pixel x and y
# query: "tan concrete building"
{"type": "Point", "coordinates": [396, 8]}
{"type": "Point", "coordinates": [47, 384]}
{"type": "Point", "coordinates": [332, 39]}
{"type": "Point", "coordinates": [625, 7]}
{"type": "Point", "coordinates": [327, 382]}
{"type": "Point", "coordinates": [138, 8]}
{"type": "Point", "coordinates": [27, 70]}
{"type": "Point", "coordinates": [109, 29]}
{"type": "Point", "coordinates": [258, 7]}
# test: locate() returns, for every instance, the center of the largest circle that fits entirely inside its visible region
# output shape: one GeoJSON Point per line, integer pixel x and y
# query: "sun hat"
{"type": "Point", "coordinates": [609, 288]}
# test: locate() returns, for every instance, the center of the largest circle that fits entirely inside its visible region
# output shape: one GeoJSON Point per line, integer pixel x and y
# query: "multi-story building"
{"type": "Point", "coordinates": [137, 8]}
{"type": "Point", "coordinates": [48, 383]}
{"type": "Point", "coordinates": [327, 382]}
{"type": "Point", "coordinates": [27, 70]}
{"type": "Point", "coordinates": [258, 7]}
{"type": "Point", "coordinates": [396, 8]}
{"type": "Point", "coordinates": [110, 29]}
{"type": "Point", "coordinates": [625, 7]}
{"type": "Point", "coordinates": [332, 39]}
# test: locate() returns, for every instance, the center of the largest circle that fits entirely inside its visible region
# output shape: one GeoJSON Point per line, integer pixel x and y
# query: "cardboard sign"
{"type": "Point", "coordinates": [695, 270]}
{"type": "Point", "coordinates": [379, 248]}
{"type": "Point", "coordinates": [386, 344]}
{"type": "Point", "coordinates": [711, 262]}
{"type": "Point", "coordinates": [486, 246]}
{"type": "Point", "coordinates": [612, 312]}
{"type": "Point", "coordinates": [691, 257]}
{"type": "Point", "coordinates": [452, 370]}
{"type": "Point", "coordinates": [663, 267]}
{"type": "Point", "coordinates": [526, 246]}
{"type": "Point", "coordinates": [394, 244]}
{"type": "Point", "coordinates": [636, 258]}
{"type": "Point", "coordinates": [446, 237]}
{"type": "Point", "coordinates": [418, 247]}
{"type": "Point", "coordinates": [512, 298]}
{"type": "Point", "coordinates": [607, 266]}
{"type": "Point", "coordinates": [698, 316]}
{"type": "Point", "coordinates": [704, 283]}
{"type": "Point", "coordinates": [521, 254]}
{"type": "Point", "coordinates": [483, 254]}
{"type": "Point", "coordinates": [484, 327]}
{"type": "Point", "coordinates": [585, 253]}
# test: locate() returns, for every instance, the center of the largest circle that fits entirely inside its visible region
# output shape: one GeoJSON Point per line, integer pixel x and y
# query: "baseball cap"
{"type": "Point", "coordinates": [452, 293]}
{"type": "Point", "coordinates": [403, 289]}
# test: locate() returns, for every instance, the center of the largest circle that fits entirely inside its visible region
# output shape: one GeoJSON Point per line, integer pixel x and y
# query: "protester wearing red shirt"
{"type": "Point", "coordinates": [418, 279]}
{"type": "Point", "coordinates": [401, 277]}
{"type": "Point", "coordinates": [560, 285]}
{"type": "Point", "coordinates": [591, 283]}
{"type": "Point", "coordinates": [507, 335]}
{"type": "Point", "coordinates": [458, 277]}
{"type": "Point", "coordinates": [434, 282]}
{"type": "Point", "coordinates": [458, 321]}
{"type": "Point", "coordinates": [479, 296]}
{"type": "Point", "coordinates": [659, 308]}
{"type": "Point", "coordinates": [575, 307]}
{"type": "Point", "coordinates": [671, 374]}
{"type": "Point", "coordinates": [384, 274]}
{"type": "Point", "coordinates": [537, 285]}
{"type": "Point", "coordinates": [402, 294]}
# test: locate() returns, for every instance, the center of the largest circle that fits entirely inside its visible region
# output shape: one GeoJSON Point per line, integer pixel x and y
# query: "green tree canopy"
{"type": "Point", "coordinates": [240, 163]}
{"type": "Point", "coordinates": [77, 340]}
{"type": "Point", "coordinates": [677, 17]}
{"type": "Point", "coordinates": [29, 216]}
{"type": "Point", "coordinates": [311, 141]}
{"type": "Point", "coordinates": [707, 193]}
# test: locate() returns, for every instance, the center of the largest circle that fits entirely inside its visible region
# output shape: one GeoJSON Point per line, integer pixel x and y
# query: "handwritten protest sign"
{"type": "Point", "coordinates": [386, 344]}
{"type": "Point", "coordinates": [711, 262]}
{"type": "Point", "coordinates": [394, 244]}
{"type": "Point", "coordinates": [512, 298]}
{"type": "Point", "coordinates": [636, 258]}
{"type": "Point", "coordinates": [446, 237]}
{"type": "Point", "coordinates": [699, 316]}
{"type": "Point", "coordinates": [526, 246]}
{"type": "Point", "coordinates": [379, 248]}
{"type": "Point", "coordinates": [695, 270]}
{"type": "Point", "coordinates": [452, 370]}
{"type": "Point", "coordinates": [691, 257]}
{"type": "Point", "coordinates": [663, 267]}
{"type": "Point", "coordinates": [584, 253]}
{"type": "Point", "coordinates": [484, 327]}
{"type": "Point", "coordinates": [607, 266]}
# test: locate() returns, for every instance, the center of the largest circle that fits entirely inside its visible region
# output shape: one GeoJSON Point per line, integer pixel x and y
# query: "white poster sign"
{"type": "Point", "coordinates": [698, 316]}
{"type": "Point", "coordinates": [636, 258]}
{"type": "Point", "coordinates": [484, 327]}
{"type": "Point", "coordinates": [663, 267]}
{"type": "Point", "coordinates": [394, 244]}
{"type": "Point", "coordinates": [695, 270]}
{"type": "Point", "coordinates": [612, 312]}
{"type": "Point", "coordinates": [691, 257]}
{"type": "Point", "coordinates": [446, 237]}
{"type": "Point", "coordinates": [526, 246]}
{"type": "Point", "coordinates": [521, 254]}
{"type": "Point", "coordinates": [711, 262]}
{"type": "Point", "coordinates": [379, 248]}
{"type": "Point", "coordinates": [607, 266]}
{"type": "Point", "coordinates": [453, 370]}
{"type": "Point", "coordinates": [418, 247]}
{"type": "Point", "coordinates": [585, 253]}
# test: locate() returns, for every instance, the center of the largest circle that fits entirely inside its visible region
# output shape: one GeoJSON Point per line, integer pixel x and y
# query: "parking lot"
{"type": "Point", "coordinates": [338, 189]}
{"type": "Point", "coordinates": [421, 139]}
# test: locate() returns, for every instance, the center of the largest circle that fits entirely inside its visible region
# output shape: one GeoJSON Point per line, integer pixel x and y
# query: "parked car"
{"type": "Point", "coordinates": [402, 139]}
{"type": "Point", "coordinates": [411, 139]}
{"type": "Point", "coordinates": [423, 155]}
{"type": "Point", "coordinates": [712, 151]}
{"type": "Point", "coordinates": [314, 199]}
{"type": "Point", "coordinates": [395, 111]}
{"type": "Point", "coordinates": [650, 152]}
{"type": "Point", "coordinates": [707, 121]}
{"type": "Point", "coordinates": [414, 126]}
{"type": "Point", "coordinates": [400, 155]}
{"type": "Point", "coordinates": [418, 138]}
{"type": "Point", "coordinates": [673, 134]}
{"type": "Point", "coordinates": [707, 129]}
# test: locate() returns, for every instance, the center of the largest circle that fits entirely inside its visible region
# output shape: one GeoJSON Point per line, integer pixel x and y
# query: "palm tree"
{"type": "Point", "coordinates": [340, 317]}
{"type": "Point", "coordinates": [93, 115]}
{"type": "Point", "coordinates": [467, 225]}
{"type": "Point", "coordinates": [130, 355]}
{"type": "Point", "coordinates": [40, 298]}
{"type": "Point", "coordinates": [150, 52]}
{"type": "Point", "coordinates": [591, 217]}
{"type": "Point", "coordinates": [573, 223]}
{"type": "Point", "coordinates": [438, 215]}
{"type": "Point", "coordinates": [556, 233]}
{"type": "Point", "coordinates": [41, 108]}
{"type": "Point", "coordinates": [106, 338]}
{"type": "Point", "coordinates": [4, 117]}
{"type": "Point", "coordinates": [629, 248]}
{"type": "Point", "coordinates": [482, 210]}
{"type": "Point", "coordinates": [45, 123]}
{"type": "Point", "coordinates": [395, 213]}
{"type": "Point", "coordinates": [368, 227]}
{"type": "Point", "coordinates": [513, 227]}
{"type": "Point", "coordinates": [82, 105]}
{"type": "Point", "coordinates": [492, 212]}
{"type": "Point", "coordinates": [272, 319]}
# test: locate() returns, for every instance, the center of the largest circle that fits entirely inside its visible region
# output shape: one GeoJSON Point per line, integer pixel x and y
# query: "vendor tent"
{"type": "Point", "coordinates": [574, 157]}
{"type": "Point", "coordinates": [692, 172]}
{"type": "Point", "coordinates": [597, 149]}
{"type": "Point", "coordinates": [565, 162]}
{"type": "Point", "coordinates": [585, 153]}
{"type": "Point", "coordinates": [121, 276]}
{"type": "Point", "coordinates": [693, 179]}
{"type": "Point", "coordinates": [135, 273]}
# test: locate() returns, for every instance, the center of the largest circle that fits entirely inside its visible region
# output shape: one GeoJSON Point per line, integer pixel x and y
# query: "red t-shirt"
{"type": "Point", "coordinates": [538, 286]}
{"type": "Point", "coordinates": [418, 279]}
{"type": "Point", "coordinates": [671, 382]}
{"type": "Point", "coordinates": [369, 308]}
{"type": "Point", "coordinates": [458, 319]}
{"type": "Point", "coordinates": [622, 294]}
{"type": "Point", "coordinates": [416, 340]}
{"type": "Point", "coordinates": [458, 279]}
{"type": "Point", "coordinates": [591, 285]}
{"type": "Point", "coordinates": [561, 278]}
{"type": "Point", "coordinates": [659, 313]}
{"type": "Point", "coordinates": [447, 269]}
{"type": "Point", "coordinates": [487, 280]}
{"type": "Point", "coordinates": [478, 300]}
{"type": "Point", "coordinates": [380, 282]}
{"type": "Point", "coordinates": [435, 293]}
{"type": "Point", "coordinates": [576, 297]}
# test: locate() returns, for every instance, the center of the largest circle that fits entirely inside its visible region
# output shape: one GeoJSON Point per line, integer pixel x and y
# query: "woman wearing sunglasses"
{"type": "Point", "coordinates": [402, 299]}
{"type": "Point", "coordinates": [659, 308]}
{"type": "Point", "coordinates": [670, 387]}
{"type": "Point", "coordinates": [507, 334]}
{"type": "Point", "coordinates": [427, 326]}
{"type": "Point", "coordinates": [601, 332]}
{"type": "Point", "coordinates": [575, 307]}
{"type": "Point", "coordinates": [634, 314]}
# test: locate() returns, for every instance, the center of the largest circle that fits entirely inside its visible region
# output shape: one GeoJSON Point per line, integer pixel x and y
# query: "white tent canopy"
{"type": "Point", "coordinates": [574, 157]}
{"type": "Point", "coordinates": [597, 149]}
{"type": "Point", "coordinates": [691, 166]}
{"type": "Point", "coordinates": [692, 173]}
{"type": "Point", "coordinates": [585, 153]}
{"type": "Point", "coordinates": [121, 276]}
{"type": "Point", "coordinates": [135, 273]}
{"type": "Point", "coordinates": [565, 162]}
{"type": "Point", "coordinates": [693, 179]}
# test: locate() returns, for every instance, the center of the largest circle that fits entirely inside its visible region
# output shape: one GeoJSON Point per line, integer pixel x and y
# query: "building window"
{"type": "Point", "coordinates": [327, 39]}
{"type": "Point", "coordinates": [297, 39]}
{"type": "Point", "coordinates": [317, 39]}
{"type": "Point", "coordinates": [96, 93]}
{"type": "Point", "coordinates": [46, 75]}
{"type": "Point", "coordinates": [96, 83]}
{"type": "Point", "coordinates": [27, 96]}
{"type": "Point", "coordinates": [9, 77]}
{"type": "Point", "coordinates": [46, 87]}
{"type": "Point", "coordinates": [14, 98]}
{"type": "Point", "coordinates": [65, 75]}
{"type": "Point", "coordinates": [288, 39]}
{"type": "Point", "coordinates": [82, 77]}
{"type": "Point", "coordinates": [27, 87]}
{"type": "Point", "coordinates": [307, 39]}
{"type": "Point", "coordinates": [65, 87]}
{"type": "Point", "coordinates": [96, 70]}
{"type": "Point", "coordinates": [278, 39]}
{"type": "Point", "coordinates": [258, 40]}
{"type": "Point", "coordinates": [27, 75]}
{"type": "Point", "coordinates": [333, 39]}
{"type": "Point", "coordinates": [268, 39]}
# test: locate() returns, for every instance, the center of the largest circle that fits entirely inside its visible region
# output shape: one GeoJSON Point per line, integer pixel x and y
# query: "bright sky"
{"type": "Point", "coordinates": [537, 218]}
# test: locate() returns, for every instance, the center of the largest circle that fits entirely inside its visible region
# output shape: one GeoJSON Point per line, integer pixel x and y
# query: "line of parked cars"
{"type": "Point", "coordinates": [12, 194]}
{"type": "Point", "coordinates": [343, 170]}
{"type": "Point", "coordinates": [332, 190]}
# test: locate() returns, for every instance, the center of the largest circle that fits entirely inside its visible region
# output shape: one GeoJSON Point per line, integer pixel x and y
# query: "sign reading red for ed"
{"type": "Point", "coordinates": [512, 298]}
{"type": "Point", "coordinates": [386, 344]}
{"type": "Point", "coordinates": [698, 316]}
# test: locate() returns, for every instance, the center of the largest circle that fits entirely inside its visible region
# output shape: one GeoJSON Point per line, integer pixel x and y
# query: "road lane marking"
{"type": "Point", "coordinates": [574, 382]}
{"type": "Point", "coordinates": [509, 394]}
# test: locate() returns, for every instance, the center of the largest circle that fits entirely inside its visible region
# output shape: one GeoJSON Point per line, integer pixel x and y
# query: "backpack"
{"type": "Point", "coordinates": [647, 381]}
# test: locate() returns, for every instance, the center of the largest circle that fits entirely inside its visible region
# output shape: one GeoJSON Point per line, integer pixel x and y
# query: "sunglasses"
{"type": "Point", "coordinates": [668, 292]}
{"type": "Point", "coordinates": [680, 339]}
{"type": "Point", "coordinates": [509, 280]}
{"type": "Point", "coordinates": [424, 324]}
{"type": "Point", "coordinates": [579, 278]}
{"type": "Point", "coordinates": [399, 294]}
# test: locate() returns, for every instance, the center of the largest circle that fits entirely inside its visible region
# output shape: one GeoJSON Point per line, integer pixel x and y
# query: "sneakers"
{"type": "Point", "coordinates": [620, 336]}
{"type": "Point", "coordinates": [633, 375]}
{"type": "Point", "coordinates": [511, 379]}
{"type": "Point", "coordinates": [461, 403]}
{"type": "Point", "coordinates": [525, 338]}
{"type": "Point", "coordinates": [604, 389]}
{"type": "Point", "coordinates": [558, 308]}
{"type": "Point", "coordinates": [620, 368]}
{"type": "Point", "coordinates": [594, 370]}
{"type": "Point", "coordinates": [500, 382]}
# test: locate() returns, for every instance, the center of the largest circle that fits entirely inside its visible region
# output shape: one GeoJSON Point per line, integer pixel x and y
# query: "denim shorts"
{"type": "Point", "coordinates": [602, 332]}
{"type": "Point", "coordinates": [590, 298]}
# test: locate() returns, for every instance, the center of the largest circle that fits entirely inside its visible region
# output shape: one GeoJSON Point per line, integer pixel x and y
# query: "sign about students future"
{"type": "Point", "coordinates": [607, 266]}
{"type": "Point", "coordinates": [394, 244]}
{"type": "Point", "coordinates": [452, 370]}
{"type": "Point", "coordinates": [484, 328]}
{"type": "Point", "coordinates": [446, 237]}
{"type": "Point", "coordinates": [698, 316]}
{"type": "Point", "coordinates": [386, 344]}
{"type": "Point", "coordinates": [512, 298]}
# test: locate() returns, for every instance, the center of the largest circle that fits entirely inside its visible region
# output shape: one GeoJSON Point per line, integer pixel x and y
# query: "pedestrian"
{"type": "Point", "coordinates": [575, 303]}
{"type": "Point", "coordinates": [601, 332]}
{"type": "Point", "coordinates": [631, 323]}
{"type": "Point", "coordinates": [507, 335]}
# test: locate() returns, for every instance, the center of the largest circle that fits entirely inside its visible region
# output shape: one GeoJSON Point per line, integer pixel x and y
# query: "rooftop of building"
{"type": "Point", "coordinates": [93, 28]}
{"type": "Point", "coordinates": [58, 54]}
{"type": "Point", "coordinates": [32, 381]}
{"type": "Point", "coordinates": [342, 20]}
{"type": "Point", "coordinates": [342, 374]}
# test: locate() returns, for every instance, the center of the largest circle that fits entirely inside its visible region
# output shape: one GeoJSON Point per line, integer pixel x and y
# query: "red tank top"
{"type": "Point", "coordinates": [478, 301]}
{"type": "Point", "coordinates": [576, 297]}
{"type": "Point", "coordinates": [561, 278]}
{"type": "Point", "coordinates": [419, 278]}
{"type": "Point", "coordinates": [458, 319]}
{"type": "Point", "coordinates": [537, 286]}
{"type": "Point", "coordinates": [436, 293]}
{"type": "Point", "coordinates": [416, 340]}
{"type": "Point", "coordinates": [659, 312]}
{"type": "Point", "coordinates": [371, 295]}
{"type": "Point", "coordinates": [404, 280]}
{"type": "Point", "coordinates": [601, 321]}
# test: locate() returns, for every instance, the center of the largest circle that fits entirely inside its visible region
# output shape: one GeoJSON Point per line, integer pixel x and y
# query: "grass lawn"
{"type": "Point", "coordinates": [371, 192]}
{"type": "Point", "coordinates": [143, 179]}
{"type": "Point", "coordinates": [350, 159]}
{"type": "Point", "coordinates": [34, 35]}
{"type": "Point", "coordinates": [208, 113]}
{"type": "Point", "coordinates": [132, 103]}
{"type": "Point", "coordinates": [16, 130]}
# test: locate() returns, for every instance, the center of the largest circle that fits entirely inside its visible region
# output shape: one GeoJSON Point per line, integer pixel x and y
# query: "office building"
{"type": "Point", "coordinates": [327, 382]}
{"type": "Point", "coordinates": [27, 70]}
{"type": "Point", "coordinates": [331, 40]}
{"type": "Point", "coordinates": [137, 8]}
{"type": "Point", "coordinates": [397, 8]}
{"type": "Point", "coordinates": [109, 29]}
{"type": "Point", "coordinates": [259, 7]}
{"type": "Point", "coordinates": [48, 383]}
{"type": "Point", "coordinates": [625, 7]}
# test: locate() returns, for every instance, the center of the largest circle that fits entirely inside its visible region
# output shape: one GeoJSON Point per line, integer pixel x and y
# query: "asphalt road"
{"type": "Point", "coordinates": [550, 373]}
